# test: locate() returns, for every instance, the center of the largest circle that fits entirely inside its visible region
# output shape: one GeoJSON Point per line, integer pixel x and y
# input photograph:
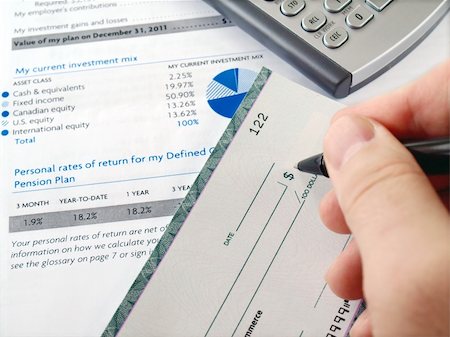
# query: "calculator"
{"type": "Point", "coordinates": [340, 44]}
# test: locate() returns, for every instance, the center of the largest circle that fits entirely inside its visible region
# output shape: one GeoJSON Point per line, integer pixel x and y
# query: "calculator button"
{"type": "Point", "coordinates": [314, 21]}
{"type": "Point", "coordinates": [358, 17]}
{"type": "Point", "coordinates": [378, 4]}
{"type": "Point", "coordinates": [335, 38]}
{"type": "Point", "coordinates": [292, 7]}
{"type": "Point", "coordinates": [335, 6]}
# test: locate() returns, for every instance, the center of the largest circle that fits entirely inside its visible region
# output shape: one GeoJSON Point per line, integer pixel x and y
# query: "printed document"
{"type": "Point", "coordinates": [106, 121]}
{"type": "Point", "coordinates": [246, 253]}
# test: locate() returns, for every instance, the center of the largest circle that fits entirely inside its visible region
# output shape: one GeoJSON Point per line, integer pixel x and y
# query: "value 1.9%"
{"type": "Point", "coordinates": [33, 222]}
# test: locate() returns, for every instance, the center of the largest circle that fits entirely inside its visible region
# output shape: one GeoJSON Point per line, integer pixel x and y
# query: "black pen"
{"type": "Point", "coordinates": [431, 155]}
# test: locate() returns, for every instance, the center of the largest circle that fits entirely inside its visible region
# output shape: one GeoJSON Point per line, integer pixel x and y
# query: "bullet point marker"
{"type": "Point", "coordinates": [5, 94]}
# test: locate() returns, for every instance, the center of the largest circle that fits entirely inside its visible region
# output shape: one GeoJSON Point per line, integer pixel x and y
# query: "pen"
{"type": "Point", "coordinates": [431, 155]}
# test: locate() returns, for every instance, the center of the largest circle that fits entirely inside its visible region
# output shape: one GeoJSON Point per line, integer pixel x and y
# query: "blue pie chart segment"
{"type": "Point", "coordinates": [227, 90]}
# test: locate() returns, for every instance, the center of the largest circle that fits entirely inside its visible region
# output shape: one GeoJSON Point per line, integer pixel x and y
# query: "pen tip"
{"type": "Point", "coordinates": [313, 165]}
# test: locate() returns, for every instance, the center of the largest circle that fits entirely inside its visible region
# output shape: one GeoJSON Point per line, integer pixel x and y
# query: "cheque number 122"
{"type": "Point", "coordinates": [258, 123]}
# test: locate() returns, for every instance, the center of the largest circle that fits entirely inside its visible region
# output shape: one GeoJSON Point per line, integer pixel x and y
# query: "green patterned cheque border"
{"type": "Point", "coordinates": [177, 221]}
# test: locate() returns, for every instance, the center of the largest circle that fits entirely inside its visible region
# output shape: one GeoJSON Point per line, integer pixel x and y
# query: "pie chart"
{"type": "Point", "coordinates": [227, 90]}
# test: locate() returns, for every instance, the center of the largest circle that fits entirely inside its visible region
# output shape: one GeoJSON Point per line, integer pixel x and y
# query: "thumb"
{"type": "Point", "coordinates": [379, 186]}
{"type": "Point", "coordinates": [395, 216]}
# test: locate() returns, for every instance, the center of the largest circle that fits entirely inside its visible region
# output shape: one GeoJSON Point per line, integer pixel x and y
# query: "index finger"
{"type": "Point", "coordinates": [418, 110]}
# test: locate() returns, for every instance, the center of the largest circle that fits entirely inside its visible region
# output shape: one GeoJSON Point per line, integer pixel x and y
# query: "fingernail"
{"type": "Point", "coordinates": [345, 137]}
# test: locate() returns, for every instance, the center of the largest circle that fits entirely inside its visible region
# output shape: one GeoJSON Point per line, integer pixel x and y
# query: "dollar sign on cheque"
{"type": "Point", "coordinates": [288, 175]}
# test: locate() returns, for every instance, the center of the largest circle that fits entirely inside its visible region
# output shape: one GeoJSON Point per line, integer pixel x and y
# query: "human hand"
{"type": "Point", "coordinates": [399, 258]}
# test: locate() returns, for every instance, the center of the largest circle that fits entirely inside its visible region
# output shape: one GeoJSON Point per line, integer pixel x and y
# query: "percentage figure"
{"type": "Point", "coordinates": [188, 122]}
{"type": "Point", "coordinates": [181, 97]}
{"type": "Point", "coordinates": [182, 94]}
{"type": "Point", "coordinates": [33, 222]}
{"type": "Point", "coordinates": [186, 94]}
{"type": "Point", "coordinates": [180, 76]}
{"type": "Point", "coordinates": [85, 216]}
{"type": "Point", "coordinates": [183, 113]}
{"type": "Point", "coordinates": [181, 104]}
{"type": "Point", "coordinates": [139, 210]}
{"type": "Point", "coordinates": [179, 85]}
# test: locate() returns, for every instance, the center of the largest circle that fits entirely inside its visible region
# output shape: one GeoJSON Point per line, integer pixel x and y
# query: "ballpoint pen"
{"type": "Point", "coordinates": [431, 155]}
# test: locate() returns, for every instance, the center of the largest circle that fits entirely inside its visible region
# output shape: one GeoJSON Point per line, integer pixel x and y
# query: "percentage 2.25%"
{"type": "Point", "coordinates": [180, 76]}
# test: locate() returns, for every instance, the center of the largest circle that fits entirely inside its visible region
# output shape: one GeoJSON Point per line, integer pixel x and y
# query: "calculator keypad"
{"type": "Point", "coordinates": [292, 7]}
{"type": "Point", "coordinates": [378, 5]}
{"type": "Point", "coordinates": [342, 44]}
{"type": "Point", "coordinates": [358, 18]}
{"type": "Point", "coordinates": [314, 21]}
{"type": "Point", "coordinates": [335, 6]}
{"type": "Point", "coordinates": [336, 37]}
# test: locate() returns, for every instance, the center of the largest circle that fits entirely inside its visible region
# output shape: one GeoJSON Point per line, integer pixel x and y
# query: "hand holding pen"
{"type": "Point", "coordinates": [399, 258]}
{"type": "Point", "coordinates": [433, 157]}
